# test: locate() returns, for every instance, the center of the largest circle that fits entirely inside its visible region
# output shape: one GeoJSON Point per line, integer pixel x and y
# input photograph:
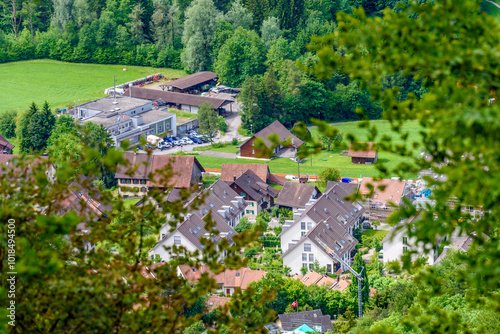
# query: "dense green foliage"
{"type": "Point", "coordinates": [208, 121]}
{"type": "Point", "coordinates": [35, 128]}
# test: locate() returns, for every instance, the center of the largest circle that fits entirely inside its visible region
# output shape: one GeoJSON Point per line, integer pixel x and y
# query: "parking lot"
{"type": "Point", "coordinates": [184, 143]}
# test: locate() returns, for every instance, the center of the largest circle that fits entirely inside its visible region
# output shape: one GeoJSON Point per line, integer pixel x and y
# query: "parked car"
{"type": "Point", "coordinates": [196, 140]}
{"type": "Point", "coordinates": [187, 141]}
{"type": "Point", "coordinates": [178, 143]}
{"type": "Point", "coordinates": [149, 147]}
{"type": "Point", "coordinates": [163, 145]}
{"type": "Point", "coordinates": [168, 139]}
{"type": "Point", "coordinates": [292, 177]}
{"type": "Point", "coordinates": [139, 147]}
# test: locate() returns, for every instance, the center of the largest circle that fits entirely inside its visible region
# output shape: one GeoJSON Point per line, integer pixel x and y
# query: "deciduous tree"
{"type": "Point", "coordinates": [207, 119]}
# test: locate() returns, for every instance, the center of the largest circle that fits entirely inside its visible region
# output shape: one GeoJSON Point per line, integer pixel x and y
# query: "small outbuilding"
{"type": "Point", "coordinates": [193, 83]}
{"type": "Point", "coordinates": [363, 153]}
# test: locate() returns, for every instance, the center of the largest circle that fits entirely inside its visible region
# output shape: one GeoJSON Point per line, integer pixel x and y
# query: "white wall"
{"type": "Point", "coordinates": [189, 108]}
{"type": "Point", "coordinates": [294, 232]}
{"type": "Point", "coordinates": [293, 259]}
{"type": "Point", "coordinates": [168, 242]}
{"type": "Point", "coordinates": [393, 248]}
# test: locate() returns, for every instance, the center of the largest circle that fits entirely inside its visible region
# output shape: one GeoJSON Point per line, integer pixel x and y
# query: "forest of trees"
{"type": "Point", "coordinates": [259, 45]}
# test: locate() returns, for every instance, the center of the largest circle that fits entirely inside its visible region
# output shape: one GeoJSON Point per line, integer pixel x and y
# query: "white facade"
{"type": "Point", "coordinates": [399, 243]}
{"type": "Point", "coordinates": [188, 108]}
{"type": "Point", "coordinates": [292, 234]}
{"type": "Point", "coordinates": [169, 241]}
{"type": "Point", "coordinates": [300, 256]}
{"type": "Point", "coordinates": [252, 209]}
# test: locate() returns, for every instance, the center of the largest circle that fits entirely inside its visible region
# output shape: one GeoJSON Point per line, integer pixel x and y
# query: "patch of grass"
{"type": "Point", "coordinates": [182, 114]}
{"type": "Point", "coordinates": [277, 186]}
{"type": "Point", "coordinates": [227, 147]}
{"type": "Point", "coordinates": [15, 142]}
{"type": "Point", "coordinates": [379, 234]}
{"type": "Point", "coordinates": [62, 83]}
{"type": "Point", "coordinates": [243, 132]}
{"type": "Point", "coordinates": [209, 179]}
{"type": "Point", "coordinates": [129, 202]}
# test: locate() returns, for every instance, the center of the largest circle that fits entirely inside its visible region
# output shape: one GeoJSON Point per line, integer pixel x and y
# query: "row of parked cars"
{"type": "Point", "coordinates": [190, 138]}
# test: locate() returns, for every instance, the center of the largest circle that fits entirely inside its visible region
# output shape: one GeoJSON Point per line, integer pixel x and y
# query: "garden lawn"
{"type": "Point", "coordinates": [227, 148]}
{"type": "Point", "coordinates": [379, 234]}
{"type": "Point", "coordinates": [62, 83]}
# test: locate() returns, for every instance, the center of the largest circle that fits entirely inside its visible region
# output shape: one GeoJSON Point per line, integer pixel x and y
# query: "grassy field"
{"type": "Point", "coordinates": [182, 114]}
{"type": "Point", "coordinates": [62, 83]}
{"type": "Point", "coordinates": [328, 159]}
{"type": "Point", "coordinates": [229, 148]}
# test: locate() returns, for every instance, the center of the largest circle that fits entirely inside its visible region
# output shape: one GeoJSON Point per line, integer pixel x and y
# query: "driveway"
{"type": "Point", "coordinates": [233, 123]}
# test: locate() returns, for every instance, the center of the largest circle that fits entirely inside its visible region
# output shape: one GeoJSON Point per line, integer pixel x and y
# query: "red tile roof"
{"type": "Point", "coordinates": [393, 191]}
{"type": "Point", "coordinates": [216, 301]}
{"type": "Point", "coordinates": [229, 171]}
{"type": "Point", "coordinates": [363, 153]}
{"type": "Point", "coordinates": [182, 167]}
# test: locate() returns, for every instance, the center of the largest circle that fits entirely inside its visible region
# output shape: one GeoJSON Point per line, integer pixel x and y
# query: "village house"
{"type": "Point", "coordinates": [330, 220]}
{"type": "Point", "coordinates": [11, 162]}
{"type": "Point", "coordinates": [5, 146]}
{"type": "Point", "coordinates": [127, 118]}
{"type": "Point", "coordinates": [305, 322]}
{"type": "Point", "coordinates": [227, 281]}
{"type": "Point", "coordinates": [294, 196]}
{"type": "Point", "coordinates": [185, 102]}
{"type": "Point", "coordinates": [187, 172]}
{"type": "Point", "coordinates": [378, 206]}
{"type": "Point", "coordinates": [397, 243]}
{"type": "Point", "coordinates": [248, 150]}
{"type": "Point", "coordinates": [256, 192]}
{"type": "Point", "coordinates": [363, 153]}
{"type": "Point", "coordinates": [226, 209]}
{"type": "Point", "coordinates": [230, 172]}
{"type": "Point", "coordinates": [86, 201]}
{"type": "Point", "coordinates": [192, 84]}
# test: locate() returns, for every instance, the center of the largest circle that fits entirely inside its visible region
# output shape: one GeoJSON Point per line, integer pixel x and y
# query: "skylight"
{"type": "Point", "coordinates": [342, 241]}
{"type": "Point", "coordinates": [230, 232]}
{"type": "Point", "coordinates": [211, 205]}
{"type": "Point", "coordinates": [201, 246]}
{"type": "Point", "coordinates": [195, 232]}
{"type": "Point", "coordinates": [199, 228]}
{"type": "Point", "coordinates": [205, 210]}
{"type": "Point", "coordinates": [347, 216]}
{"type": "Point", "coordinates": [336, 248]}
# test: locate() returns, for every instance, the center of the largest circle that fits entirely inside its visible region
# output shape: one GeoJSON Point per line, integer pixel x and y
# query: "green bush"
{"type": "Point", "coordinates": [234, 141]}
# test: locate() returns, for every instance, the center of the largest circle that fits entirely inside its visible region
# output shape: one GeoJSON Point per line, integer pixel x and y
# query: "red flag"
{"type": "Point", "coordinates": [294, 304]}
{"type": "Point", "coordinates": [339, 271]}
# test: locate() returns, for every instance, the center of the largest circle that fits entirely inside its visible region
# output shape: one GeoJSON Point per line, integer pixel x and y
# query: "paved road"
{"type": "Point", "coordinates": [233, 122]}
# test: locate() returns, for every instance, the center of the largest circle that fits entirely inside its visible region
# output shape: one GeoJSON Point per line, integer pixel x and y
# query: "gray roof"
{"type": "Point", "coordinates": [331, 233]}
{"type": "Point", "coordinates": [106, 120]}
{"type": "Point", "coordinates": [296, 195]}
{"type": "Point", "coordinates": [192, 80]}
{"type": "Point", "coordinates": [254, 186]}
{"type": "Point", "coordinates": [349, 188]}
{"type": "Point", "coordinates": [291, 321]}
{"type": "Point", "coordinates": [106, 104]}
{"type": "Point", "coordinates": [220, 197]}
{"type": "Point", "coordinates": [5, 142]}
{"type": "Point", "coordinates": [153, 116]}
{"type": "Point", "coordinates": [279, 129]}
{"type": "Point", "coordinates": [332, 204]}
{"type": "Point", "coordinates": [175, 98]}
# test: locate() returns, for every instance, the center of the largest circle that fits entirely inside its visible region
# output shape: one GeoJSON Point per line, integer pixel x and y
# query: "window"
{"type": "Point", "coordinates": [143, 181]}
{"type": "Point", "coordinates": [303, 226]}
{"type": "Point", "coordinates": [253, 151]}
{"type": "Point", "coordinates": [160, 128]}
{"type": "Point", "coordinates": [252, 144]}
{"type": "Point", "coordinates": [143, 189]}
{"type": "Point", "coordinates": [304, 257]}
{"type": "Point", "coordinates": [302, 233]}
{"type": "Point", "coordinates": [128, 181]}
{"type": "Point", "coordinates": [177, 240]}
{"type": "Point", "coordinates": [307, 247]}
{"type": "Point", "coordinates": [304, 265]}
{"type": "Point", "coordinates": [328, 268]}
{"type": "Point", "coordinates": [373, 206]}
{"type": "Point", "coordinates": [248, 211]}
{"type": "Point", "coordinates": [136, 181]}
{"type": "Point", "coordinates": [405, 241]}
{"type": "Point", "coordinates": [405, 249]}
{"type": "Point", "coordinates": [310, 266]}
{"type": "Point", "coordinates": [309, 226]}
{"type": "Point", "coordinates": [311, 257]}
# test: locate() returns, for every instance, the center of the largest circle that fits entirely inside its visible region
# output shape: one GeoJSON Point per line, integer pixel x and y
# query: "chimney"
{"type": "Point", "coordinates": [234, 177]}
{"type": "Point", "coordinates": [222, 213]}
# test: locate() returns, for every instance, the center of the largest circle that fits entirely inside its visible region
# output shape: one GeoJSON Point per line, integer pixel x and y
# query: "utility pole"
{"type": "Point", "coordinates": [358, 275]}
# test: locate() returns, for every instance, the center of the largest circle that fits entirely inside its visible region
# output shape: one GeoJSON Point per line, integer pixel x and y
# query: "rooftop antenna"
{"type": "Point", "coordinates": [114, 89]}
